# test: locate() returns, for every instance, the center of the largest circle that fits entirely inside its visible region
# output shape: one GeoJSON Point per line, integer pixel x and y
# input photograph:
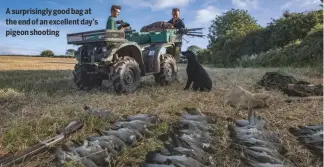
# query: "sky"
{"type": "Point", "coordinates": [196, 13]}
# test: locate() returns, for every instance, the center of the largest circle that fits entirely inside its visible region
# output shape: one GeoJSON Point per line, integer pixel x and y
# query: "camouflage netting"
{"type": "Point", "coordinates": [156, 26]}
{"type": "Point", "coordinates": [304, 89]}
{"type": "Point", "coordinates": [276, 80]}
{"type": "Point", "coordinates": [289, 85]}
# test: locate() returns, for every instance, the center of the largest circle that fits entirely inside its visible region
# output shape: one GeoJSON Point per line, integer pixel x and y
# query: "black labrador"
{"type": "Point", "coordinates": [196, 74]}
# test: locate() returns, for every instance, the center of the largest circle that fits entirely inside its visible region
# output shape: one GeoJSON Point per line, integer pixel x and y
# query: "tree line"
{"type": "Point", "coordinates": [236, 40]}
{"type": "Point", "coordinates": [50, 53]}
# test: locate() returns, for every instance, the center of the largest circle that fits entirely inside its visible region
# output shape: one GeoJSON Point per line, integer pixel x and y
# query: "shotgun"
{"type": "Point", "coordinates": [20, 156]}
{"type": "Point", "coordinates": [191, 32]}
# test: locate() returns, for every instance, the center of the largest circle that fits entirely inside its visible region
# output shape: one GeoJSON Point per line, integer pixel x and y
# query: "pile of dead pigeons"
{"type": "Point", "coordinates": [100, 150]}
{"type": "Point", "coordinates": [188, 143]}
{"type": "Point", "coordinates": [310, 136]}
{"type": "Point", "coordinates": [261, 147]}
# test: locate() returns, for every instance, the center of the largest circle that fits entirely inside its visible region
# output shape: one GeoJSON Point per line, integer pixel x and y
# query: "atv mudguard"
{"type": "Point", "coordinates": [131, 49]}
{"type": "Point", "coordinates": [156, 49]}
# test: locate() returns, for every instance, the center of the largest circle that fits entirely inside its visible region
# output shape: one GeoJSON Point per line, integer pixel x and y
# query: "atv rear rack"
{"type": "Point", "coordinates": [104, 35]}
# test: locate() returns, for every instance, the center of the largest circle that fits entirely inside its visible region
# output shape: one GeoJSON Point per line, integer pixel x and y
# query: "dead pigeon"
{"type": "Point", "coordinates": [192, 125]}
{"type": "Point", "coordinates": [139, 125]}
{"type": "Point", "coordinates": [116, 143]}
{"type": "Point", "coordinates": [198, 135]}
{"type": "Point", "coordinates": [155, 165]}
{"type": "Point", "coordinates": [108, 146]}
{"type": "Point", "coordinates": [261, 146]}
{"type": "Point", "coordinates": [128, 136]}
{"type": "Point", "coordinates": [205, 118]}
{"type": "Point", "coordinates": [311, 136]}
{"type": "Point", "coordinates": [65, 156]}
{"type": "Point", "coordinates": [173, 139]}
{"type": "Point", "coordinates": [196, 154]}
{"type": "Point", "coordinates": [93, 152]}
{"type": "Point", "coordinates": [197, 143]}
{"type": "Point", "coordinates": [263, 157]}
{"type": "Point", "coordinates": [100, 150]}
{"type": "Point", "coordinates": [144, 117]}
{"type": "Point", "coordinates": [257, 164]}
{"type": "Point", "coordinates": [258, 122]}
{"type": "Point", "coordinates": [154, 157]}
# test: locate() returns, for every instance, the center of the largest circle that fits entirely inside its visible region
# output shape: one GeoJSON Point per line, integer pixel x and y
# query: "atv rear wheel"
{"type": "Point", "coordinates": [168, 70]}
{"type": "Point", "coordinates": [83, 80]}
{"type": "Point", "coordinates": [127, 75]}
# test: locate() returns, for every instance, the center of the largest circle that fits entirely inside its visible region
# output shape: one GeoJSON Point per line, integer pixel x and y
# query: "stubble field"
{"type": "Point", "coordinates": [37, 97]}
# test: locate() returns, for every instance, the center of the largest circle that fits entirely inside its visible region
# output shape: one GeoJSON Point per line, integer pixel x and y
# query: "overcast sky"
{"type": "Point", "coordinates": [137, 12]}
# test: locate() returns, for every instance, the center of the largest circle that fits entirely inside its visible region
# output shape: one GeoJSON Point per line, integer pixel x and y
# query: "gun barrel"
{"type": "Point", "coordinates": [194, 33]}
{"type": "Point", "coordinates": [194, 29]}
{"type": "Point", "coordinates": [72, 127]}
{"type": "Point", "coordinates": [40, 147]}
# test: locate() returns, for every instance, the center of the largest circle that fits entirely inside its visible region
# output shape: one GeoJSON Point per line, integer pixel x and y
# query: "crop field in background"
{"type": "Point", "coordinates": [37, 97]}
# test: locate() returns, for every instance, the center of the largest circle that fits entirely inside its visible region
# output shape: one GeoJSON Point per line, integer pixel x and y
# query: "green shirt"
{"type": "Point", "coordinates": [111, 23]}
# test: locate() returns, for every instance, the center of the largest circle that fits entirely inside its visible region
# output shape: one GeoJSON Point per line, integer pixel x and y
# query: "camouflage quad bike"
{"type": "Point", "coordinates": [123, 57]}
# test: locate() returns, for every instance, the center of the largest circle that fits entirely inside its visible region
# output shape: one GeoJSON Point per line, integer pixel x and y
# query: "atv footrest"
{"type": "Point", "coordinates": [92, 72]}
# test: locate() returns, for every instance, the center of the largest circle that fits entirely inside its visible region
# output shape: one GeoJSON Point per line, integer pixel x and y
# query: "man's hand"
{"type": "Point", "coordinates": [119, 21]}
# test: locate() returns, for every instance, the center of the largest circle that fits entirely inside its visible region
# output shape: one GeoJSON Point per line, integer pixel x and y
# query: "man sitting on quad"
{"type": "Point", "coordinates": [112, 23]}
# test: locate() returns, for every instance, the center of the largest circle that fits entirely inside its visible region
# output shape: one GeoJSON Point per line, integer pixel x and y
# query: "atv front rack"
{"type": "Point", "coordinates": [104, 35]}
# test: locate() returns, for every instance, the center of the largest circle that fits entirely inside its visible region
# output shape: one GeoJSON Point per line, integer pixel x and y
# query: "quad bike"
{"type": "Point", "coordinates": [124, 56]}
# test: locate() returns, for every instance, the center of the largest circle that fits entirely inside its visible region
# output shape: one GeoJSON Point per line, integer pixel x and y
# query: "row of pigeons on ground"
{"type": "Point", "coordinates": [260, 146]}
{"type": "Point", "coordinates": [311, 137]}
{"type": "Point", "coordinates": [252, 132]}
{"type": "Point", "coordinates": [190, 141]}
{"type": "Point", "coordinates": [101, 150]}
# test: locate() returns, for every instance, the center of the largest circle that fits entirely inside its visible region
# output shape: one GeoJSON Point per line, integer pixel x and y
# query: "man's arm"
{"type": "Point", "coordinates": [182, 25]}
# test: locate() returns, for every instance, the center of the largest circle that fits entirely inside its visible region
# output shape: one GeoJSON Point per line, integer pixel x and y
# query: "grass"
{"type": "Point", "coordinates": [37, 97]}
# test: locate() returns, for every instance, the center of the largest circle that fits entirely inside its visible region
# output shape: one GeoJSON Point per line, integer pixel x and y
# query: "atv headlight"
{"type": "Point", "coordinates": [104, 49]}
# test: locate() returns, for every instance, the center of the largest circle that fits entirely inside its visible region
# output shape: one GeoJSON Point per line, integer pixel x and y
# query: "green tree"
{"type": "Point", "coordinates": [204, 56]}
{"type": "Point", "coordinates": [226, 33]}
{"type": "Point", "coordinates": [47, 53]}
{"type": "Point", "coordinates": [194, 48]}
{"type": "Point", "coordinates": [292, 26]}
{"type": "Point", "coordinates": [235, 22]}
{"type": "Point", "coordinates": [70, 52]}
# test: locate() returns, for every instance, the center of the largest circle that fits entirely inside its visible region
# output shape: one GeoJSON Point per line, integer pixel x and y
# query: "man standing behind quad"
{"type": "Point", "coordinates": [176, 21]}
{"type": "Point", "coordinates": [111, 22]}
{"type": "Point", "coordinates": [178, 24]}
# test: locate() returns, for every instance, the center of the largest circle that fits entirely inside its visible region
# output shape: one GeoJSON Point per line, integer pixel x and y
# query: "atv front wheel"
{"type": "Point", "coordinates": [168, 70]}
{"type": "Point", "coordinates": [127, 75]}
{"type": "Point", "coordinates": [83, 80]}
